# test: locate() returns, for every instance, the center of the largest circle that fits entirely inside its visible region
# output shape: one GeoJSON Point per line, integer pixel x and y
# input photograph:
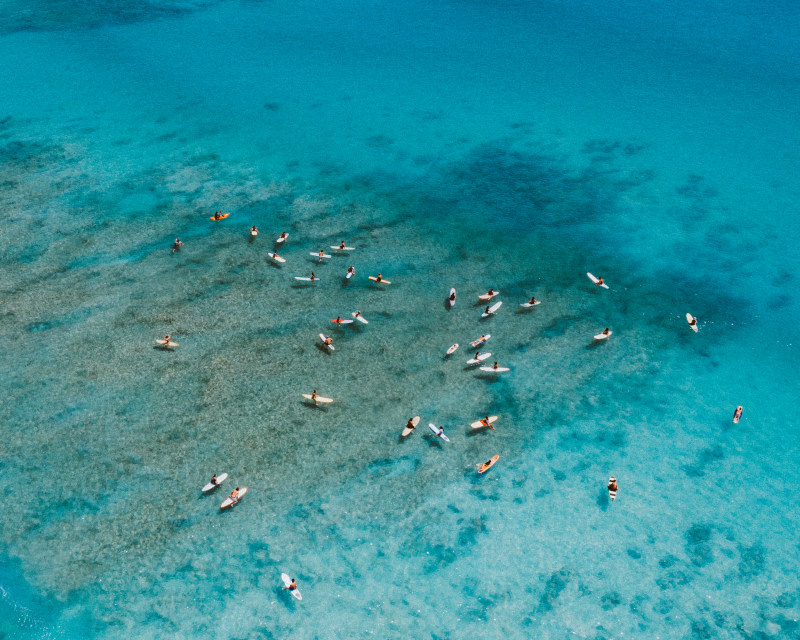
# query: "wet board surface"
{"type": "Point", "coordinates": [222, 217]}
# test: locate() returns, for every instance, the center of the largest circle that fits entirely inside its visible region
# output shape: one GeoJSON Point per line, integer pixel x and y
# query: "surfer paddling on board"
{"type": "Point", "coordinates": [291, 586]}
{"type": "Point", "coordinates": [176, 246]}
{"type": "Point", "coordinates": [737, 414]}
{"type": "Point", "coordinates": [254, 229]}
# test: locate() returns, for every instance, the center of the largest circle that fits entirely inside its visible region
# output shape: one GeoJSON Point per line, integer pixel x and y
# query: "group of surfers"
{"type": "Point", "coordinates": [234, 494]}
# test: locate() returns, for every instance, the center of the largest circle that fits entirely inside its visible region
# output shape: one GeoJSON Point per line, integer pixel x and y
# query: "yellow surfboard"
{"type": "Point", "coordinates": [222, 216]}
{"type": "Point", "coordinates": [375, 279]}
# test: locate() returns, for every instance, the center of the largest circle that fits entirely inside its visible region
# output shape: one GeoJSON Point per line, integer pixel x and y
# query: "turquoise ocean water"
{"type": "Point", "coordinates": [514, 145]}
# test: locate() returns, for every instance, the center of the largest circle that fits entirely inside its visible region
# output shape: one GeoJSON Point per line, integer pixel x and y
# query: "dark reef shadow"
{"type": "Point", "coordinates": [602, 499]}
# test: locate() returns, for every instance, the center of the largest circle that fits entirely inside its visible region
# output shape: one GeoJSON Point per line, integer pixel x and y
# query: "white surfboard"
{"type": "Point", "coordinates": [689, 318]}
{"type": "Point", "coordinates": [282, 239]}
{"type": "Point", "coordinates": [452, 349]}
{"type": "Point", "coordinates": [603, 336]}
{"type": "Point", "coordinates": [481, 357]}
{"type": "Point", "coordinates": [452, 297]}
{"type": "Point", "coordinates": [612, 493]}
{"type": "Point", "coordinates": [341, 321]}
{"type": "Point", "coordinates": [596, 281]}
{"type": "Point", "coordinates": [480, 424]}
{"type": "Point", "coordinates": [228, 502]}
{"type": "Point", "coordinates": [438, 432]}
{"type": "Point", "coordinates": [375, 279]}
{"type": "Point", "coordinates": [316, 255]}
{"type": "Point", "coordinates": [488, 296]}
{"type": "Point", "coordinates": [276, 257]}
{"type": "Point", "coordinates": [479, 342]}
{"type": "Point", "coordinates": [322, 337]}
{"type": "Point", "coordinates": [350, 274]}
{"type": "Point", "coordinates": [406, 430]}
{"type": "Point", "coordinates": [253, 233]}
{"type": "Point", "coordinates": [528, 305]}
{"type": "Point", "coordinates": [492, 310]}
{"type": "Point", "coordinates": [357, 315]}
{"type": "Point", "coordinates": [165, 344]}
{"type": "Point", "coordinates": [322, 399]}
{"type": "Point", "coordinates": [493, 370]}
{"type": "Point", "coordinates": [220, 480]}
{"type": "Point", "coordinates": [286, 582]}
{"type": "Point", "coordinates": [333, 246]}
{"type": "Point", "coordinates": [303, 278]}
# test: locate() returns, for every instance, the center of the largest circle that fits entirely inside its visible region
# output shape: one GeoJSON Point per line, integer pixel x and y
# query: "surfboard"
{"type": "Point", "coordinates": [307, 279]}
{"type": "Point", "coordinates": [222, 217]}
{"type": "Point", "coordinates": [603, 336]}
{"type": "Point", "coordinates": [689, 319]}
{"type": "Point", "coordinates": [359, 317]}
{"type": "Point", "coordinates": [736, 415]}
{"type": "Point", "coordinates": [165, 344]}
{"type": "Point", "coordinates": [283, 239]}
{"type": "Point", "coordinates": [322, 337]}
{"type": "Point", "coordinates": [451, 298]}
{"type": "Point", "coordinates": [596, 281]}
{"type": "Point", "coordinates": [528, 305]}
{"type": "Point", "coordinates": [375, 279]}
{"type": "Point", "coordinates": [322, 399]}
{"type": "Point", "coordinates": [479, 424]}
{"type": "Point", "coordinates": [220, 480]}
{"type": "Point", "coordinates": [415, 422]}
{"type": "Point", "coordinates": [286, 582]}
{"type": "Point", "coordinates": [479, 342]}
{"type": "Point", "coordinates": [316, 255]}
{"type": "Point", "coordinates": [438, 432]}
{"type": "Point", "coordinates": [488, 296]}
{"type": "Point", "coordinates": [342, 248]}
{"type": "Point", "coordinates": [492, 310]}
{"type": "Point", "coordinates": [341, 321]}
{"type": "Point", "coordinates": [481, 357]}
{"type": "Point", "coordinates": [229, 503]}
{"type": "Point", "coordinates": [611, 492]}
{"type": "Point", "coordinates": [482, 468]}
{"type": "Point", "coordinates": [350, 274]}
{"type": "Point", "coordinates": [452, 349]}
{"type": "Point", "coordinates": [493, 370]}
{"type": "Point", "coordinates": [253, 234]}
{"type": "Point", "coordinates": [276, 257]}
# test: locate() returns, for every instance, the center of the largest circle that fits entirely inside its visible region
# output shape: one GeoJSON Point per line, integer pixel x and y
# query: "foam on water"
{"type": "Point", "coordinates": [452, 146]}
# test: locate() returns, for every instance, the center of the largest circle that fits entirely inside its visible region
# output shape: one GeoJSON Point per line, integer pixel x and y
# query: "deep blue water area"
{"type": "Point", "coordinates": [515, 145]}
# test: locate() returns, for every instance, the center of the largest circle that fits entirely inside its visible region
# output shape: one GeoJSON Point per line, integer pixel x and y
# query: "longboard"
{"type": "Point", "coordinates": [407, 431]}
{"type": "Point", "coordinates": [439, 433]}
{"type": "Point", "coordinates": [322, 337]}
{"type": "Point", "coordinates": [316, 255]}
{"type": "Point", "coordinates": [528, 305]}
{"type": "Point", "coordinates": [253, 234]}
{"type": "Point", "coordinates": [308, 396]}
{"type": "Point", "coordinates": [488, 296]}
{"type": "Point", "coordinates": [479, 342]}
{"type": "Point", "coordinates": [306, 279]}
{"type": "Point", "coordinates": [481, 357]}
{"type": "Point", "coordinates": [493, 370]}
{"type": "Point", "coordinates": [165, 344]}
{"type": "Point", "coordinates": [736, 415]}
{"type": "Point", "coordinates": [596, 281]}
{"type": "Point", "coordinates": [452, 297]}
{"type": "Point", "coordinates": [276, 257]}
{"type": "Point", "coordinates": [375, 279]}
{"type": "Point", "coordinates": [342, 248]}
{"type": "Point", "coordinates": [282, 239]}
{"type": "Point", "coordinates": [452, 349]}
{"type": "Point", "coordinates": [612, 492]}
{"type": "Point", "coordinates": [222, 217]}
{"type": "Point", "coordinates": [357, 315]}
{"type": "Point", "coordinates": [492, 310]}
{"type": "Point", "coordinates": [335, 321]}
{"type": "Point", "coordinates": [479, 424]}
{"type": "Point", "coordinates": [482, 468]}
{"type": "Point", "coordinates": [689, 319]}
{"type": "Point", "coordinates": [603, 336]}
{"type": "Point", "coordinates": [220, 480]}
{"type": "Point", "coordinates": [228, 502]}
{"type": "Point", "coordinates": [286, 582]}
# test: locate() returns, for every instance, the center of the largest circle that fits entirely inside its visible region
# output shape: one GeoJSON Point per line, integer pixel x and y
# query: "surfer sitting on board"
{"type": "Point", "coordinates": [292, 586]}
{"type": "Point", "coordinates": [254, 229]}
{"type": "Point", "coordinates": [342, 246]}
{"type": "Point", "coordinates": [235, 495]}
{"type": "Point", "coordinates": [599, 282]}
{"type": "Point", "coordinates": [612, 484]}
{"type": "Point", "coordinates": [485, 465]}
{"type": "Point", "coordinates": [410, 424]}
{"type": "Point", "coordinates": [737, 414]}
{"type": "Point", "coordinates": [214, 479]}
{"type": "Point", "coordinates": [314, 396]}
{"type": "Point", "coordinates": [283, 236]}
{"type": "Point", "coordinates": [485, 422]}
{"type": "Point", "coordinates": [328, 341]}
{"type": "Point", "coordinates": [338, 320]}
{"type": "Point", "coordinates": [532, 300]}
{"type": "Point", "coordinates": [177, 244]}
{"type": "Point", "coordinates": [487, 312]}
{"type": "Point", "coordinates": [495, 366]}
{"type": "Point", "coordinates": [313, 277]}
{"type": "Point", "coordinates": [693, 321]}
{"type": "Point", "coordinates": [452, 297]}
{"type": "Point", "coordinates": [379, 278]}
{"type": "Point", "coordinates": [167, 339]}
{"type": "Point", "coordinates": [321, 255]}
{"type": "Point", "coordinates": [606, 332]}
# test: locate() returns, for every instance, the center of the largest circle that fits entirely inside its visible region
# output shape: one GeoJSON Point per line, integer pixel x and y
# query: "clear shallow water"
{"type": "Point", "coordinates": [470, 145]}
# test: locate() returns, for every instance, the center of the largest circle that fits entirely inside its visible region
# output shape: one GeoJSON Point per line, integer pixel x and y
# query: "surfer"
{"type": "Point", "coordinates": [313, 277]}
{"type": "Point", "coordinates": [275, 255]}
{"type": "Point", "coordinates": [410, 424]}
{"type": "Point", "coordinates": [379, 278]}
{"type": "Point", "coordinates": [495, 366]}
{"type": "Point", "coordinates": [328, 341]}
{"type": "Point", "coordinates": [612, 487]}
{"type": "Point", "coordinates": [693, 322]}
{"type": "Point", "coordinates": [314, 396]}
{"type": "Point", "coordinates": [490, 293]}
{"type": "Point", "coordinates": [176, 246]}
{"type": "Point", "coordinates": [485, 466]}
{"type": "Point", "coordinates": [606, 332]}
{"type": "Point", "coordinates": [532, 300]}
{"type": "Point", "coordinates": [358, 314]}
{"type": "Point", "coordinates": [217, 215]}
{"type": "Point", "coordinates": [254, 229]}
{"type": "Point", "coordinates": [283, 236]}
{"type": "Point", "coordinates": [321, 255]}
{"type": "Point", "coordinates": [452, 297]}
{"type": "Point", "coordinates": [214, 479]}
{"type": "Point", "coordinates": [351, 271]}
{"type": "Point", "coordinates": [235, 495]}
{"type": "Point", "coordinates": [737, 414]}
{"type": "Point", "coordinates": [292, 586]}
{"type": "Point", "coordinates": [599, 282]}
{"type": "Point", "coordinates": [167, 339]}
{"type": "Point", "coordinates": [338, 320]}
{"type": "Point", "coordinates": [342, 246]}
{"type": "Point", "coordinates": [487, 311]}
{"type": "Point", "coordinates": [485, 422]}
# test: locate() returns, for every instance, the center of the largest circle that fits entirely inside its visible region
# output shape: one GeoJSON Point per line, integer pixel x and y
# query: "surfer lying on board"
{"type": "Point", "coordinates": [693, 321]}
{"type": "Point", "coordinates": [485, 422]}
{"type": "Point", "coordinates": [177, 244]}
{"type": "Point", "coordinates": [737, 414]}
{"type": "Point", "coordinates": [292, 586]}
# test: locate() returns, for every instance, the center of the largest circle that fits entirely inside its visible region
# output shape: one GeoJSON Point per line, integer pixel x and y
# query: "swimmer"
{"type": "Point", "coordinates": [176, 246]}
{"type": "Point", "coordinates": [737, 414]}
{"type": "Point", "coordinates": [292, 586]}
